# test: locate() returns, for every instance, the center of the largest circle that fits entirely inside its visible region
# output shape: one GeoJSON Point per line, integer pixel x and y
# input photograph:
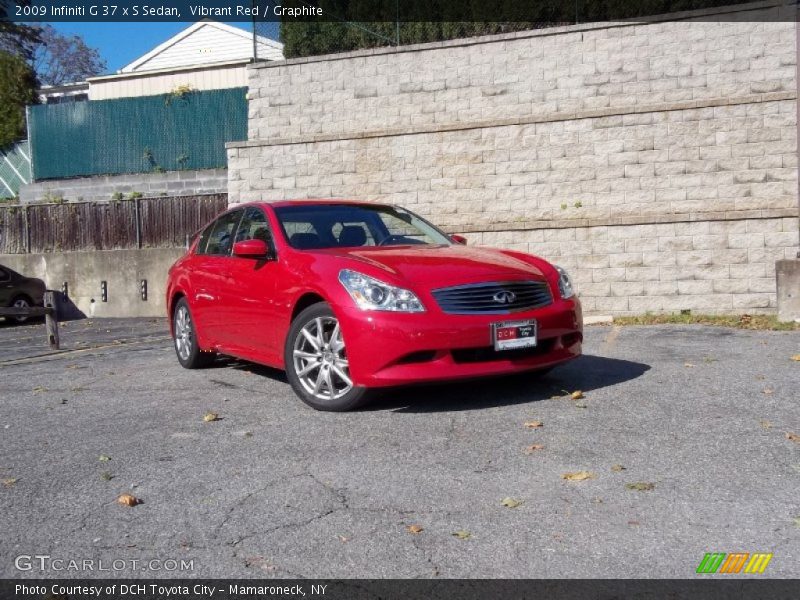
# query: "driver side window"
{"type": "Point", "coordinates": [219, 240]}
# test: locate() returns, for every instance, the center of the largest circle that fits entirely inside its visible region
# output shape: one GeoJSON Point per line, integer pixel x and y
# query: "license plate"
{"type": "Point", "coordinates": [510, 335]}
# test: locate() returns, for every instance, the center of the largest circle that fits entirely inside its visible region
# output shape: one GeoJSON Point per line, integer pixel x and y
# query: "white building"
{"type": "Point", "coordinates": [207, 55]}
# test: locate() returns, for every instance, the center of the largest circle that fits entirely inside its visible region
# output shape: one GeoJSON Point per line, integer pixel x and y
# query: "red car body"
{"type": "Point", "coordinates": [245, 308]}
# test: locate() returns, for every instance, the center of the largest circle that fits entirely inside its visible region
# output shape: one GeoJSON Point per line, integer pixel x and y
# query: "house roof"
{"type": "Point", "coordinates": [205, 42]}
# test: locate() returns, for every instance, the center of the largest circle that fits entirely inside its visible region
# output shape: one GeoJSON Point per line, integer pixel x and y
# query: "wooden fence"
{"type": "Point", "coordinates": [137, 223]}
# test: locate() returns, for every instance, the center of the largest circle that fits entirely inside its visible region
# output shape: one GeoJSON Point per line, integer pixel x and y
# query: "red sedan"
{"type": "Point", "coordinates": [347, 296]}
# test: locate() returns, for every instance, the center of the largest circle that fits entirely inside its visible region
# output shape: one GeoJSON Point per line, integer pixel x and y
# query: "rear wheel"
{"type": "Point", "coordinates": [21, 302]}
{"type": "Point", "coordinates": [185, 336]}
{"type": "Point", "coordinates": [316, 360]}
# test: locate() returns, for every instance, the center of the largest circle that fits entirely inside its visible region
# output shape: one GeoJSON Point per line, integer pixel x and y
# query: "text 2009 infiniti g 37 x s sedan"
{"type": "Point", "coordinates": [347, 296]}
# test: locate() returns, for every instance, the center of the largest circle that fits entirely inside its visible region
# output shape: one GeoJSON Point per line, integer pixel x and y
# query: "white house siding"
{"type": "Point", "coordinates": [208, 44]}
{"type": "Point", "coordinates": [141, 84]}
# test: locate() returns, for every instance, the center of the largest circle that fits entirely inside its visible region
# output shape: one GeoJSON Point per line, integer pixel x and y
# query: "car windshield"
{"type": "Point", "coordinates": [317, 226]}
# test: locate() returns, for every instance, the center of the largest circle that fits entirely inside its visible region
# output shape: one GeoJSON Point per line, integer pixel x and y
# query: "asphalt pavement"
{"type": "Point", "coordinates": [682, 433]}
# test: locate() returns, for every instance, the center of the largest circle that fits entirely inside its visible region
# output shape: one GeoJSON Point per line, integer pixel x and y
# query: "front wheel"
{"type": "Point", "coordinates": [316, 360]}
{"type": "Point", "coordinates": [21, 302]}
{"type": "Point", "coordinates": [185, 336]}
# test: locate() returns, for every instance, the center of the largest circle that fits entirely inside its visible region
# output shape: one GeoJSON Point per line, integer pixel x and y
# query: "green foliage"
{"type": "Point", "coordinates": [117, 196]}
{"type": "Point", "coordinates": [17, 89]}
{"type": "Point", "coordinates": [361, 24]}
{"type": "Point", "coordinates": [135, 195]}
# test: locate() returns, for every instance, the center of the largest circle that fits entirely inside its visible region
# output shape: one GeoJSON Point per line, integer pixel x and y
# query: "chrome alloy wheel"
{"type": "Point", "coordinates": [320, 360]}
{"type": "Point", "coordinates": [184, 336]}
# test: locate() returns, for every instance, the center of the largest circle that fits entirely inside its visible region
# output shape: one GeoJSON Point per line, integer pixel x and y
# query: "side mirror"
{"type": "Point", "coordinates": [252, 249]}
{"type": "Point", "coordinates": [459, 239]}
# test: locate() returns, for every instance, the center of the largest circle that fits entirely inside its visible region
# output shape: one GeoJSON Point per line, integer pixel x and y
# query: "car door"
{"type": "Point", "coordinates": [210, 278]}
{"type": "Point", "coordinates": [252, 290]}
{"type": "Point", "coordinates": [6, 287]}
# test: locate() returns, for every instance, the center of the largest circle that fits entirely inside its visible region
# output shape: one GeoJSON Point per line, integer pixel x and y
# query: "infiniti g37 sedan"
{"type": "Point", "coordinates": [349, 296]}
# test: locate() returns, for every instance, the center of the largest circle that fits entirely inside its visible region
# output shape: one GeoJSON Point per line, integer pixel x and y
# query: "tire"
{"type": "Point", "coordinates": [316, 362]}
{"type": "Point", "coordinates": [185, 339]}
{"type": "Point", "coordinates": [21, 302]}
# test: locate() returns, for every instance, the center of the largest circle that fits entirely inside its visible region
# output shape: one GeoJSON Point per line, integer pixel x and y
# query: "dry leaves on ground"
{"type": "Point", "coordinates": [533, 448]}
{"type": "Point", "coordinates": [796, 358]}
{"type": "Point", "coordinates": [128, 500]}
{"type": "Point", "coordinates": [510, 502]}
{"type": "Point", "coordinates": [210, 417]}
{"type": "Point", "coordinates": [104, 458]}
{"type": "Point", "coordinates": [462, 534]}
{"type": "Point", "coordinates": [765, 424]}
{"type": "Point", "coordinates": [577, 476]}
{"type": "Point", "coordinates": [414, 529]}
{"type": "Point", "coordinates": [106, 476]}
{"type": "Point", "coordinates": [793, 437]}
{"type": "Point", "coordinates": [640, 486]}
{"type": "Point", "coordinates": [768, 390]}
{"type": "Point", "coordinates": [577, 395]}
{"type": "Point", "coordinates": [9, 481]}
{"type": "Point", "coordinates": [617, 468]}
{"type": "Point", "coordinates": [533, 424]}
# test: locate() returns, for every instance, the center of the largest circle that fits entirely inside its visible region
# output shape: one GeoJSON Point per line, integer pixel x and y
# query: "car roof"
{"type": "Point", "coordinates": [316, 202]}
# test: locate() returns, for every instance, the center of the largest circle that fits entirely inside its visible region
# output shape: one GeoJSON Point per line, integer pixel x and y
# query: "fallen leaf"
{"type": "Point", "coordinates": [580, 405]}
{"type": "Point", "coordinates": [577, 476]}
{"type": "Point", "coordinates": [688, 365]}
{"type": "Point", "coordinates": [510, 502]}
{"type": "Point", "coordinates": [765, 424]}
{"type": "Point", "coordinates": [796, 358]}
{"type": "Point", "coordinates": [128, 500]}
{"type": "Point", "coordinates": [414, 529]}
{"type": "Point", "coordinates": [106, 476]}
{"type": "Point", "coordinates": [640, 486]}
{"type": "Point", "coordinates": [617, 468]}
{"type": "Point", "coordinates": [343, 539]}
{"type": "Point", "coordinates": [576, 395]}
{"type": "Point", "coordinates": [104, 458]}
{"type": "Point", "coordinates": [461, 534]}
{"type": "Point", "coordinates": [797, 521]}
{"type": "Point", "coordinates": [9, 481]}
{"type": "Point", "coordinates": [767, 390]}
{"type": "Point", "coordinates": [793, 437]}
{"type": "Point", "coordinates": [533, 448]}
{"type": "Point", "coordinates": [632, 522]}
{"type": "Point", "coordinates": [210, 417]}
{"type": "Point", "coordinates": [38, 389]}
{"type": "Point", "coordinates": [533, 424]}
{"type": "Point", "coordinates": [248, 434]}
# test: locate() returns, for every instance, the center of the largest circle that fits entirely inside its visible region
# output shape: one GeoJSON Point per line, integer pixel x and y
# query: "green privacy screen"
{"type": "Point", "coordinates": [170, 132]}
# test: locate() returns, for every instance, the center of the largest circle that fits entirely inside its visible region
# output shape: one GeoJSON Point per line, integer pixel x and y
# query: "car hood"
{"type": "Point", "coordinates": [438, 266]}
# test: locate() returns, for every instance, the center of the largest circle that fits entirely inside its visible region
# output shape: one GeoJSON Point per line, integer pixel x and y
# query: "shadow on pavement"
{"type": "Point", "coordinates": [585, 373]}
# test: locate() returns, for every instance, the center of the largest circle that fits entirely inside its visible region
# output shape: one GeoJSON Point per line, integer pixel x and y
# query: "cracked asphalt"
{"type": "Point", "coordinates": [275, 489]}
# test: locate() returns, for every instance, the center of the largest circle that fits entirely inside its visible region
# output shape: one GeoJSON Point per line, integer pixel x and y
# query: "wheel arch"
{"type": "Point", "coordinates": [303, 302]}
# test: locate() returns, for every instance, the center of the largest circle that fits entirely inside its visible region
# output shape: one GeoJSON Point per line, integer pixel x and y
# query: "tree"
{"type": "Point", "coordinates": [60, 59]}
{"type": "Point", "coordinates": [16, 38]}
{"type": "Point", "coordinates": [17, 89]}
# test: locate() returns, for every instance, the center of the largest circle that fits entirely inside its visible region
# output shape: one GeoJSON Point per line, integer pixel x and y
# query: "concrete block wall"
{"type": "Point", "coordinates": [103, 187]}
{"type": "Point", "coordinates": [121, 269]}
{"type": "Point", "coordinates": [658, 162]}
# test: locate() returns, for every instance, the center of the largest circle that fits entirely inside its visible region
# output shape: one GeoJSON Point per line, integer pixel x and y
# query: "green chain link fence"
{"type": "Point", "coordinates": [184, 130]}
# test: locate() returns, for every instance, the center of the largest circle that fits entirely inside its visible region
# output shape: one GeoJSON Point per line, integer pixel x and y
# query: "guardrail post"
{"type": "Point", "coordinates": [51, 320]}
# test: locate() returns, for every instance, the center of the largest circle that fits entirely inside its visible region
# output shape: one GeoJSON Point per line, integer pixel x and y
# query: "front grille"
{"type": "Point", "coordinates": [495, 298]}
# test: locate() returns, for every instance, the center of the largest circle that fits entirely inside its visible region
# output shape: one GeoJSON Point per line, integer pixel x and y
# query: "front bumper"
{"type": "Point", "coordinates": [388, 349]}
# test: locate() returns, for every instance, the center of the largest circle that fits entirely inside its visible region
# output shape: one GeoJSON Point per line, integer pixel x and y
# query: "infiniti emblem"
{"type": "Point", "coordinates": [504, 297]}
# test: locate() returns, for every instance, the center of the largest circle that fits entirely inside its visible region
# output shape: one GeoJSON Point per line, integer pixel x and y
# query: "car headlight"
{"type": "Point", "coordinates": [372, 294]}
{"type": "Point", "coordinates": [564, 283]}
